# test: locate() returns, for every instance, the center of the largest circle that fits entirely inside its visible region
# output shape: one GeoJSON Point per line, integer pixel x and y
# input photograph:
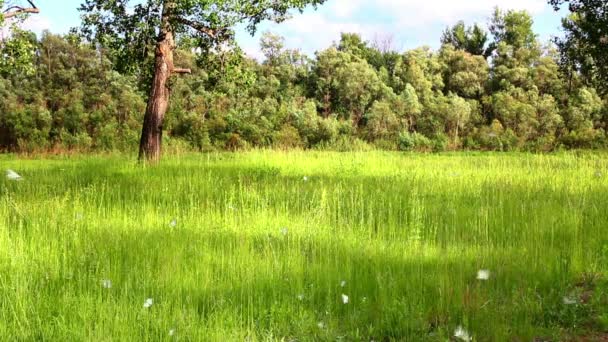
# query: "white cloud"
{"type": "Point", "coordinates": [411, 22]}
{"type": "Point", "coordinates": [37, 23]}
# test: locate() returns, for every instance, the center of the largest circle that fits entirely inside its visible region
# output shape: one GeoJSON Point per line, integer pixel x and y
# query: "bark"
{"type": "Point", "coordinates": [158, 100]}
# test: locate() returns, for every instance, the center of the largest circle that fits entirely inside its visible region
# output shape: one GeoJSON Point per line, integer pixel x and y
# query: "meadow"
{"type": "Point", "coordinates": [305, 246]}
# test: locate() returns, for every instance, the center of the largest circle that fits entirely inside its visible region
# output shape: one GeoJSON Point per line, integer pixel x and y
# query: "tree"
{"type": "Point", "coordinates": [16, 51]}
{"type": "Point", "coordinates": [463, 73]}
{"type": "Point", "coordinates": [458, 116]}
{"type": "Point", "coordinates": [470, 39]}
{"type": "Point", "coordinates": [208, 22]}
{"type": "Point", "coordinates": [585, 45]}
{"type": "Point", "coordinates": [514, 28]}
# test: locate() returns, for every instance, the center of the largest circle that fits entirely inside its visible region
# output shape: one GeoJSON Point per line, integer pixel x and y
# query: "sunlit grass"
{"type": "Point", "coordinates": [305, 245]}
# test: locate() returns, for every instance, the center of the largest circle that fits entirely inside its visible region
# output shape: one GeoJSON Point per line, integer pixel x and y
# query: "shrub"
{"type": "Point", "coordinates": [414, 142]}
{"type": "Point", "coordinates": [288, 138]}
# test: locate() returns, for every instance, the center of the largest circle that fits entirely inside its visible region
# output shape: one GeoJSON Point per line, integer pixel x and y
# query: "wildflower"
{"type": "Point", "coordinates": [171, 332]}
{"type": "Point", "coordinates": [364, 300]}
{"type": "Point", "coordinates": [173, 223]}
{"type": "Point", "coordinates": [79, 216]}
{"type": "Point", "coordinates": [569, 301]}
{"type": "Point", "coordinates": [12, 175]}
{"type": "Point", "coordinates": [483, 275]}
{"type": "Point", "coordinates": [343, 283]}
{"type": "Point", "coordinates": [344, 299]}
{"type": "Point", "coordinates": [461, 334]}
{"type": "Point", "coordinates": [321, 325]}
{"type": "Point", "coordinates": [148, 303]}
{"type": "Point", "coordinates": [305, 178]}
{"type": "Point", "coordinates": [106, 283]}
{"type": "Point", "coordinates": [284, 231]}
{"type": "Point", "coordinates": [300, 297]}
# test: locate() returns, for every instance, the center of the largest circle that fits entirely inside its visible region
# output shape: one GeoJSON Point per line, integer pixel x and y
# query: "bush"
{"type": "Point", "coordinates": [347, 144]}
{"type": "Point", "coordinates": [414, 142]}
{"type": "Point", "coordinates": [288, 138]}
{"type": "Point", "coordinates": [107, 136]}
{"type": "Point", "coordinates": [235, 143]}
{"type": "Point", "coordinates": [440, 142]}
{"type": "Point", "coordinates": [78, 142]}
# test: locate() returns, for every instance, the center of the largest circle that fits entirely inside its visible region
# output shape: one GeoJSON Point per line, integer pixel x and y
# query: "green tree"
{"type": "Point", "coordinates": [585, 45]}
{"type": "Point", "coordinates": [109, 23]}
{"type": "Point", "coordinates": [17, 50]}
{"type": "Point", "coordinates": [472, 39]}
{"type": "Point", "coordinates": [463, 73]}
{"type": "Point", "coordinates": [514, 28]}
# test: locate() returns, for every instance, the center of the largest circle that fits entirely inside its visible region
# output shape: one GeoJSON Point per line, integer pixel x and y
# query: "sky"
{"type": "Point", "coordinates": [409, 23]}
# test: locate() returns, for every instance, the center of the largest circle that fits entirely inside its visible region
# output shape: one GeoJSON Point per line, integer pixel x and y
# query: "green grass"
{"type": "Point", "coordinates": [258, 253]}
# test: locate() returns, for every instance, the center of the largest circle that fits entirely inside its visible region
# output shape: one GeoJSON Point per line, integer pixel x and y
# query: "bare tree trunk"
{"type": "Point", "coordinates": [158, 100]}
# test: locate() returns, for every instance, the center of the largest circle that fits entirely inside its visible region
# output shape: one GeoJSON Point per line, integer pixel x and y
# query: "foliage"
{"type": "Point", "coordinates": [585, 45]}
{"type": "Point", "coordinates": [354, 92]}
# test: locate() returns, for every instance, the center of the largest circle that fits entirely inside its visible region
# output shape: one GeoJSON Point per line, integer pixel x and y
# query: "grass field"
{"type": "Point", "coordinates": [305, 246]}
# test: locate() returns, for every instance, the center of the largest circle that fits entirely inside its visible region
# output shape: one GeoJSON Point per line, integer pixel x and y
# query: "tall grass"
{"type": "Point", "coordinates": [262, 246]}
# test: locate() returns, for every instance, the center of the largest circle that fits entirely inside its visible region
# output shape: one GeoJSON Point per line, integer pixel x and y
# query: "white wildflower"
{"type": "Point", "coordinates": [343, 283]}
{"type": "Point", "coordinates": [461, 334]}
{"type": "Point", "coordinates": [344, 299]}
{"type": "Point", "coordinates": [300, 297]}
{"type": "Point", "coordinates": [305, 178]}
{"type": "Point", "coordinates": [284, 231]}
{"type": "Point", "coordinates": [569, 301]}
{"type": "Point", "coordinates": [12, 175]}
{"type": "Point", "coordinates": [106, 283]}
{"type": "Point", "coordinates": [173, 223]}
{"type": "Point", "coordinates": [483, 275]}
{"type": "Point", "coordinates": [321, 325]}
{"type": "Point", "coordinates": [148, 303]}
{"type": "Point", "coordinates": [171, 332]}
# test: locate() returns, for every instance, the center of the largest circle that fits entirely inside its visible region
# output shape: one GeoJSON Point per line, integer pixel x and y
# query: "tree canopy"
{"type": "Point", "coordinates": [353, 95]}
{"type": "Point", "coordinates": [585, 46]}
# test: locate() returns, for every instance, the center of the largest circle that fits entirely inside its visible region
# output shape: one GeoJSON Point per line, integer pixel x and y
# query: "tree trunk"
{"type": "Point", "coordinates": [158, 100]}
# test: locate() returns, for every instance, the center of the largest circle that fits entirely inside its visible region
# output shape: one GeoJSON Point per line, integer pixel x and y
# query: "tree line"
{"type": "Point", "coordinates": [498, 89]}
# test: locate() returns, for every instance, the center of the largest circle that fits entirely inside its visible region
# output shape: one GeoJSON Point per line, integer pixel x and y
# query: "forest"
{"type": "Point", "coordinates": [500, 89]}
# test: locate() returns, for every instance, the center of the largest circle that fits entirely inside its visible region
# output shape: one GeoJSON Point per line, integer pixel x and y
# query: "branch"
{"type": "Point", "coordinates": [20, 10]}
{"type": "Point", "coordinates": [199, 27]}
{"type": "Point", "coordinates": [181, 71]}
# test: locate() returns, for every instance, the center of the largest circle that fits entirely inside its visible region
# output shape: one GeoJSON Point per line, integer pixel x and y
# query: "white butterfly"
{"type": "Point", "coordinates": [569, 301]}
{"type": "Point", "coordinates": [483, 275]}
{"type": "Point", "coordinates": [12, 175]}
{"type": "Point", "coordinates": [462, 334]}
{"type": "Point", "coordinates": [106, 283]}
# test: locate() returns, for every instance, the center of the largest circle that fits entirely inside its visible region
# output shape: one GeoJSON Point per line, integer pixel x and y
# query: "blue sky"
{"type": "Point", "coordinates": [410, 23]}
